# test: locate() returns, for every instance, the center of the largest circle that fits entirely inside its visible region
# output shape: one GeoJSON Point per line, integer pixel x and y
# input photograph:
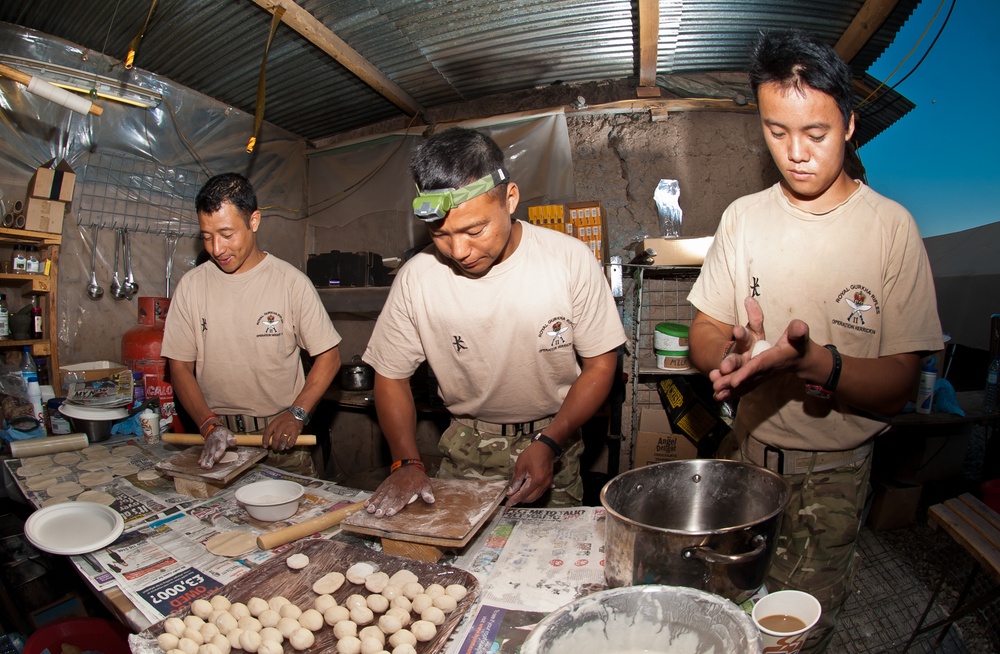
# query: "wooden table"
{"type": "Point", "coordinates": [976, 527]}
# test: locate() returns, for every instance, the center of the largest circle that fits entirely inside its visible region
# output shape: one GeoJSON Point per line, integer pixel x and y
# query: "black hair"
{"type": "Point", "coordinates": [454, 158]}
{"type": "Point", "coordinates": [795, 58]}
{"type": "Point", "coordinates": [227, 187]}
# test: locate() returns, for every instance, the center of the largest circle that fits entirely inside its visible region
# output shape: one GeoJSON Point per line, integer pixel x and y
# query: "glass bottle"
{"type": "Point", "coordinates": [31, 264]}
{"type": "Point", "coordinates": [4, 319]}
{"type": "Point", "coordinates": [18, 261]}
{"type": "Point", "coordinates": [37, 323]}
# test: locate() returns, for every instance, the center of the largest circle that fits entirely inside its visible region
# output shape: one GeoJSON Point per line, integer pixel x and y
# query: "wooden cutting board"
{"type": "Point", "coordinates": [184, 464]}
{"type": "Point", "coordinates": [461, 507]}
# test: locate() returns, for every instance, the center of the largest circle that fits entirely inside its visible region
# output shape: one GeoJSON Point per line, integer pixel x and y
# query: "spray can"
{"type": "Point", "coordinates": [925, 388]}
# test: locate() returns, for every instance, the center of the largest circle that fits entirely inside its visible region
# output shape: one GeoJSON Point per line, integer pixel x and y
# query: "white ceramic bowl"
{"type": "Point", "coordinates": [273, 499]}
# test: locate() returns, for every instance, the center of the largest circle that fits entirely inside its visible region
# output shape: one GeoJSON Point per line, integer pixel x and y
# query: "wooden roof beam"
{"type": "Point", "coordinates": [323, 38]}
{"type": "Point", "coordinates": [649, 38]}
{"type": "Point", "coordinates": [867, 21]}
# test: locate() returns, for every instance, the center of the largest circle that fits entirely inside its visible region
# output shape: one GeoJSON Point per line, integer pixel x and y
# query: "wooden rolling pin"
{"type": "Point", "coordinates": [247, 440]}
{"type": "Point", "coordinates": [279, 537]}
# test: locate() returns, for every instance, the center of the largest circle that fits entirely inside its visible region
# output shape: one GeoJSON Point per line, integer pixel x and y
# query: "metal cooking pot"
{"type": "Point", "coordinates": [357, 375]}
{"type": "Point", "coordinates": [702, 523]}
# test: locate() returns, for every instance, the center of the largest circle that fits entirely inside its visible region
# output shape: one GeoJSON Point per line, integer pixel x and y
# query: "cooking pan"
{"type": "Point", "coordinates": [357, 375]}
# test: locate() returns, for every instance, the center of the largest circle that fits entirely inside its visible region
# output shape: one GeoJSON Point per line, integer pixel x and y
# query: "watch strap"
{"type": "Point", "coordinates": [825, 391]}
{"type": "Point", "coordinates": [299, 414]}
{"type": "Point", "coordinates": [554, 446]}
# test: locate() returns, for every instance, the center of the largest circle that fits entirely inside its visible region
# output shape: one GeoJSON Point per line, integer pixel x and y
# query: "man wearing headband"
{"type": "Point", "coordinates": [516, 321]}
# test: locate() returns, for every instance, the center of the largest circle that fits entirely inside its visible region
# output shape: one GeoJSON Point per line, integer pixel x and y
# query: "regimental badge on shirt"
{"type": "Point", "coordinates": [553, 335]}
{"type": "Point", "coordinates": [269, 324]}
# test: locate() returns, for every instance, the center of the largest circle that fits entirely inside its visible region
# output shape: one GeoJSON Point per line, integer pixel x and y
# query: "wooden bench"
{"type": "Point", "coordinates": [976, 527]}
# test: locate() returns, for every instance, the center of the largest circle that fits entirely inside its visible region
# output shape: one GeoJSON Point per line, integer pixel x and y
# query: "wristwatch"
{"type": "Point", "coordinates": [299, 414]}
{"type": "Point", "coordinates": [826, 390]}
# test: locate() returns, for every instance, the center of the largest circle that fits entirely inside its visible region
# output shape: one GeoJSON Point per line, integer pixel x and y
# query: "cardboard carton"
{"type": "Point", "coordinates": [53, 182]}
{"type": "Point", "coordinates": [692, 416]}
{"type": "Point", "coordinates": [894, 506]}
{"type": "Point", "coordinates": [44, 215]}
{"type": "Point", "coordinates": [678, 251]}
{"type": "Point", "coordinates": [91, 370]}
{"type": "Point", "coordinates": [656, 444]}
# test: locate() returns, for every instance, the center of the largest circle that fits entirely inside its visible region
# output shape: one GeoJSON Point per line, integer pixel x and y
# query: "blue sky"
{"type": "Point", "coordinates": [941, 159]}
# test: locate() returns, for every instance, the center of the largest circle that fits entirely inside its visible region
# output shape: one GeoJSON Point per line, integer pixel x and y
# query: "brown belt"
{"type": "Point", "coordinates": [507, 429]}
{"type": "Point", "coordinates": [797, 462]}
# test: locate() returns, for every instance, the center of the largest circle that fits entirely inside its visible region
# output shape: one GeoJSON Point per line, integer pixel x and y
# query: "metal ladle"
{"type": "Point", "coordinates": [94, 290]}
{"type": "Point", "coordinates": [117, 289]}
{"type": "Point", "coordinates": [131, 286]}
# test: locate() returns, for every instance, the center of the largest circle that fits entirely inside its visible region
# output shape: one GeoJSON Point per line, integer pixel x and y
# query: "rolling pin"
{"type": "Point", "coordinates": [247, 440]}
{"type": "Point", "coordinates": [279, 537]}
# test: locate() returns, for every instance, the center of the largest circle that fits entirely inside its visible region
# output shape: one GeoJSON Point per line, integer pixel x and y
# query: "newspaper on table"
{"type": "Point", "coordinates": [106, 393]}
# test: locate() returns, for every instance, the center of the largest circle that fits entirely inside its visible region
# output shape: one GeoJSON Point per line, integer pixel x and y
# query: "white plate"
{"type": "Point", "coordinates": [73, 527]}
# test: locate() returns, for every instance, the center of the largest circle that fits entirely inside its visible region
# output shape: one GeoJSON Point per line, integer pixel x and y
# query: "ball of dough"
{"type": "Point", "coordinates": [376, 581]}
{"type": "Point", "coordinates": [277, 602]}
{"type": "Point", "coordinates": [201, 608]}
{"type": "Point", "coordinates": [226, 622]}
{"type": "Point", "coordinates": [458, 591]}
{"type": "Point", "coordinates": [208, 630]}
{"type": "Point", "coordinates": [187, 646]}
{"type": "Point", "coordinates": [270, 647]}
{"type": "Point", "coordinates": [214, 615]}
{"type": "Point", "coordinates": [401, 603]}
{"type": "Point", "coordinates": [372, 632]}
{"type": "Point", "coordinates": [250, 641]}
{"type": "Point", "coordinates": [256, 605]}
{"type": "Point", "coordinates": [193, 635]}
{"type": "Point", "coordinates": [405, 648]}
{"type": "Point", "coordinates": [328, 584]}
{"type": "Point", "coordinates": [402, 637]}
{"type": "Point", "coordinates": [239, 609]}
{"type": "Point", "coordinates": [287, 626]}
{"type": "Point", "coordinates": [392, 591]}
{"type": "Point", "coordinates": [269, 618]}
{"type": "Point", "coordinates": [354, 601]}
{"type": "Point", "coordinates": [270, 633]}
{"type": "Point", "coordinates": [220, 602]}
{"type": "Point", "coordinates": [297, 561]}
{"type": "Point", "coordinates": [249, 623]}
{"type": "Point", "coordinates": [336, 614]}
{"type": "Point", "coordinates": [222, 643]}
{"type": "Point", "coordinates": [357, 573]}
{"type": "Point", "coordinates": [208, 648]}
{"type": "Point", "coordinates": [302, 639]}
{"type": "Point", "coordinates": [434, 615]}
{"type": "Point", "coordinates": [370, 646]}
{"type": "Point", "coordinates": [389, 624]}
{"type": "Point", "coordinates": [290, 611]}
{"type": "Point", "coordinates": [234, 637]}
{"type": "Point", "coordinates": [423, 630]}
{"type": "Point", "coordinates": [420, 603]}
{"type": "Point", "coordinates": [175, 651]}
{"type": "Point", "coordinates": [434, 590]}
{"type": "Point", "coordinates": [311, 619]}
{"type": "Point", "coordinates": [349, 645]}
{"type": "Point", "coordinates": [324, 602]}
{"type": "Point", "coordinates": [174, 626]}
{"type": "Point", "coordinates": [378, 603]}
{"type": "Point", "coordinates": [193, 622]}
{"type": "Point", "coordinates": [399, 614]}
{"type": "Point", "coordinates": [412, 588]}
{"type": "Point", "coordinates": [759, 347]}
{"type": "Point", "coordinates": [344, 629]}
{"type": "Point", "coordinates": [446, 603]}
{"type": "Point", "coordinates": [402, 577]}
{"type": "Point", "coordinates": [362, 615]}
{"type": "Point", "coordinates": [167, 641]}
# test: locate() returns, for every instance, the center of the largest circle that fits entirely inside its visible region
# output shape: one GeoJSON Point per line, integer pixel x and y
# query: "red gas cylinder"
{"type": "Point", "coordinates": [141, 353]}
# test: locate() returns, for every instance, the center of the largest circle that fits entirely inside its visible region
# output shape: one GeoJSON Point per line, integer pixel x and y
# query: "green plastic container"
{"type": "Point", "coordinates": [671, 337]}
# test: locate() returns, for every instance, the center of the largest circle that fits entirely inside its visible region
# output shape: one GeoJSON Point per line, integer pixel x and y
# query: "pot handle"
{"type": "Point", "coordinates": [709, 555]}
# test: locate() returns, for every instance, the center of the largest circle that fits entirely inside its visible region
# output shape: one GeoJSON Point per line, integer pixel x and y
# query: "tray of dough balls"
{"type": "Point", "coordinates": [322, 596]}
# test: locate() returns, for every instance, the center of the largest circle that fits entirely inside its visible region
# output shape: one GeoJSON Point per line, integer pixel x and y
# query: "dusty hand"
{"type": "Point", "coordinates": [532, 474]}
{"type": "Point", "coordinates": [402, 487]}
{"type": "Point", "coordinates": [215, 446]}
{"type": "Point", "coordinates": [282, 433]}
{"type": "Point", "coordinates": [740, 373]}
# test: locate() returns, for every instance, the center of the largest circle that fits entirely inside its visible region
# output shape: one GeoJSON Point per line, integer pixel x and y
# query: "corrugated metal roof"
{"type": "Point", "coordinates": [439, 52]}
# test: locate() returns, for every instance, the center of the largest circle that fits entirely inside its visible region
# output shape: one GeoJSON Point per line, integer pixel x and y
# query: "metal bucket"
{"type": "Point", "coordinates": [702, 523]}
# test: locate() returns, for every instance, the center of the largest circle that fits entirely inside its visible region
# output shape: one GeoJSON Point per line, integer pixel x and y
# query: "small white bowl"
{"type": "Point", "coordinates": [274, 499]}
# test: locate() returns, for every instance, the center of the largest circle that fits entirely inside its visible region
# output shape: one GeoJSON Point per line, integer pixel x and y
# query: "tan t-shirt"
{"type": "Point", "coordinates": [503, 347]}
{"type": "Point", "coordinates": [244, 333]}
{"type": "Point", "coordinates": [857, 275]}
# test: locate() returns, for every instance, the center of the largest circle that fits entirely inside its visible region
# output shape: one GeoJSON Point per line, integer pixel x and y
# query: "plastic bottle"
{"type": "Point", "coordinates": [990, 398]}
{"type": "Point", "coordinates": [4, 319]}
{"type": "Point", "coordinates": [18, 261]}
{"type": "Point", "coordinates": [37, 323]}
{"type": "Point", "coordinates": [31, 264]}
{"type": "Point", "coordinates": [28, 367]}
{"type": "Point", "coordinates": [925, 388]}
{"type": "Point", "coordinates": [35, 400]}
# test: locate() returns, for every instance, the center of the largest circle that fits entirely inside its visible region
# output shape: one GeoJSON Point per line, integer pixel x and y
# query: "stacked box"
{"type": "Point", "coordinates": [550, 216]}
{"type": "Point", "coordinates": [588, 225]}
{"type": "Point", "coordinates": [50, 191]}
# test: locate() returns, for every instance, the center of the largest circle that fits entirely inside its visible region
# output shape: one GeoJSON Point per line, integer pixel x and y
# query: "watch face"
{"type": "Point", "coordinates": [299, 413]}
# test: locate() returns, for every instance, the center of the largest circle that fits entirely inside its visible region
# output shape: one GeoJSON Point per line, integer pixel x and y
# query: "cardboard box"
{"type": "Point", "coordinates": [44, 215]}
{"type": "Point", "coordinates": [894, 506]}
{"type": "Point", "coordinates": [53, 182]}
{"type": "Point", "coordinates": [656, 444]}
{"type": "Point", "coordinates": [90, 371]}
{"type": "Point", "coordinates": [692, 416]}
{"type": "Point", "coordinates": [678, 251]}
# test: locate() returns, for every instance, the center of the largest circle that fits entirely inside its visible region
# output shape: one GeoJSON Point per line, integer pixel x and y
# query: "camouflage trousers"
{"type": "Point", "coordinates": [298, 460]}
{"type": "Point", "coordinates": [474, 453]}
{"type": "Point", "coordinates": [816, 543]}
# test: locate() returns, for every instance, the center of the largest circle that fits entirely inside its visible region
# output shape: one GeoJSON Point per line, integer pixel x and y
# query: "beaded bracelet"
{"type": "Point", "coordinates": [406, 462]}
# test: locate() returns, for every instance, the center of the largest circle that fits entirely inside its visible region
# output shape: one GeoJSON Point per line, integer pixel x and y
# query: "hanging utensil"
{"type": "Point", "coordinates": [130, 284]}
{"type": "Point", "coordinates": [171, 247]}
{"type": "Point", "coordinates": [94, 290]}
{"type": "Point", "coordinates": [117, 290]}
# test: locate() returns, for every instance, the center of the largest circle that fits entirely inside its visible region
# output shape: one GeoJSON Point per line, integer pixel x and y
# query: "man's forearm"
{"type": "Point", "coordinates": [325, 366]}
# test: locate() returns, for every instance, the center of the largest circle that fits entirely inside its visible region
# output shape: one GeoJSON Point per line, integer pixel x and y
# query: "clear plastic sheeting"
{"type": "Point", "coordinates": [137, 168]}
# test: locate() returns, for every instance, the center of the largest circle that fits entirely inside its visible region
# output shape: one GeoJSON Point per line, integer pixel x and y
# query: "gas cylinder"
{"type": "Point", "coordinates": [141, 353]}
